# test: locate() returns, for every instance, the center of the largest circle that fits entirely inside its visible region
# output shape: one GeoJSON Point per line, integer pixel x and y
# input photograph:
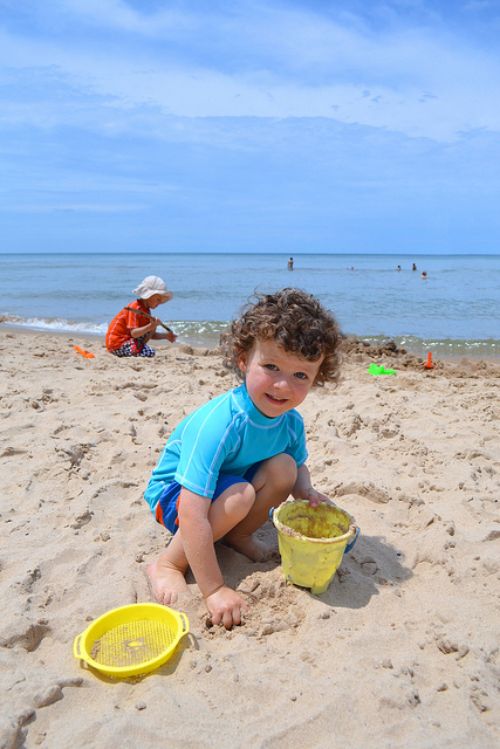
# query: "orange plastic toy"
{"type": "Point", "coordinates": [428, 364]}
{"type": "Point", "coordinates": [85, 354]}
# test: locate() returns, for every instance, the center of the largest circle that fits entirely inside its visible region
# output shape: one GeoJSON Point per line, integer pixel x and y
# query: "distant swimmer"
{"type": "Point", "coordinates": [423, 274]}
{"type": "Point", "coordinates": [290, 263]}
{"type": "Point", "coordinates": [398, 268]}
{"type": "Point", "coordinates": [414, 267]}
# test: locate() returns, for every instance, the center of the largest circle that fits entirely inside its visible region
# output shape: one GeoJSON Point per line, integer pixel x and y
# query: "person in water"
{"type": "Point", "coordinates": [225, 465]}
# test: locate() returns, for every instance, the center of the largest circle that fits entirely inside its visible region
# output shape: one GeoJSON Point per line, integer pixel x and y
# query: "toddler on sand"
{"type": "Point", "coordinates": [229, 462]}
{"type": "Point", "coordinates": [129, 332]}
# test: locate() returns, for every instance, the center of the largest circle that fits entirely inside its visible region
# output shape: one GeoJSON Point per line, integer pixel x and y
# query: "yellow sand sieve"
{"type": "Point", "coordinates": [131, 640]}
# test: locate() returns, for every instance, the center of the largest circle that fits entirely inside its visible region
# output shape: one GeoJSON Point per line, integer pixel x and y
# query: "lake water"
{"type": "Point", "coordinates": [456, 310]}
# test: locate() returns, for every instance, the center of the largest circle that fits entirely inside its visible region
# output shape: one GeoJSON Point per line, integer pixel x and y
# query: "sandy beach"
{"type": "Point", "coordinates": [401, 651]}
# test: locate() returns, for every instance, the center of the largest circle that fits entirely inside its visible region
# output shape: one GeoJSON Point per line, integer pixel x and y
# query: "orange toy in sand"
{"type": "Point", "coordinates": [85, 354]}
{"type": "Point", "coordinates": [428, 364]}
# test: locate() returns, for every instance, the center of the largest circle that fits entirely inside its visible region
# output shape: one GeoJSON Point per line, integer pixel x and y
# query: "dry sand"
{"type": "Point", "coordinates": [401, 651]}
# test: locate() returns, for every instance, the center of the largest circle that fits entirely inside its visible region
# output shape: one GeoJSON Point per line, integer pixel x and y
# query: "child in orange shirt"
{"type": "Point", "coordinates": [129, 332]}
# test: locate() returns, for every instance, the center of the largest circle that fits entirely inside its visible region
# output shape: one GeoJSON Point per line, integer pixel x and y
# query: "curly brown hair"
{"type": "Point", "coordinates": [296, 321]}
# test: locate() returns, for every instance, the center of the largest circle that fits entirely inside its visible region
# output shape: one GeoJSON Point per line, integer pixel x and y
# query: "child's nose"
{"type": "Point", "coordinates": [282, 383]}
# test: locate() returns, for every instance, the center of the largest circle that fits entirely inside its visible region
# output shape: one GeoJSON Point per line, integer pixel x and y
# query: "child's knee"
{"type": "Point", "coordinates": [283, 470]}
{"type": "Point", "coordinates": [247, 497]}
{"type": "Point", "coordinates": [241, 501]}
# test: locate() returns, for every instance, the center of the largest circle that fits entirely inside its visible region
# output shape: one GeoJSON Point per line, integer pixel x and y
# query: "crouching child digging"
{"type": "Point", "coordinates": [225, 465]}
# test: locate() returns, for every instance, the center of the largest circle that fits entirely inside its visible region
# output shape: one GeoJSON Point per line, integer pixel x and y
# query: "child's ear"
{"type": "Point", "coordinates": [242, 361]}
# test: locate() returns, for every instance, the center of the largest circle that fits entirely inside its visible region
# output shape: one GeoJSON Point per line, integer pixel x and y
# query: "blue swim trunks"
{"type": "Point", "coordinates": [168, 505]}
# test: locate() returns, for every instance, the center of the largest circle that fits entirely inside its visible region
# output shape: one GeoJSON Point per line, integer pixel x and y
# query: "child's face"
{"type": "Point", "coordinates": [277, 380]}
{"type": "Point", "coordinates": [157, 299]}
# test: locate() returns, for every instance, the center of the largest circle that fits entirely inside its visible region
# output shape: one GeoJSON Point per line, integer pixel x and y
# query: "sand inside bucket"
{"type": "Point", "coordinates": [322, 522]}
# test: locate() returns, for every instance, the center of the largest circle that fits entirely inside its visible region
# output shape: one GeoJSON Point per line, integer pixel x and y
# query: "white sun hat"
{"type": "Point", "coordinates": [150, 286]}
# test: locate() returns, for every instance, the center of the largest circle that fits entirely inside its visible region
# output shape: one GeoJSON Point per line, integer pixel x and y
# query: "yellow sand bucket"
{"type": "Point", "coordinates": [312, 541]}
{"type": "Point", "coordinates": [131, 640]}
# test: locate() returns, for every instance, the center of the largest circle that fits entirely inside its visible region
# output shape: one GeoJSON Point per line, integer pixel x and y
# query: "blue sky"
{"type": "Point", "coordinates": [348, 126]}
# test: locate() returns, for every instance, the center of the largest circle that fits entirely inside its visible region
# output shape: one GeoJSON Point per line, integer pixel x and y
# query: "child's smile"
{"type": "Point", "coordinates": [273, 399]}
{"type": "Point", "coordinates": [277, 380]}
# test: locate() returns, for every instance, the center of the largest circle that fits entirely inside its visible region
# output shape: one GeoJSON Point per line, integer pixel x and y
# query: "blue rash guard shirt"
{"type": "Point", "coordinates": [227, 435]}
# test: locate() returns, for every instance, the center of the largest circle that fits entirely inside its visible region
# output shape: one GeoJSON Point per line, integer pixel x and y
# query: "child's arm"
{"type": "Point", "coordinates": [223, 603]}
{"type": "Point", "coordinates": [144, 329]}
{"type": "Point", "coordinates": [170, 336]}
{"type": "Point", "coordinates": [304, 489]}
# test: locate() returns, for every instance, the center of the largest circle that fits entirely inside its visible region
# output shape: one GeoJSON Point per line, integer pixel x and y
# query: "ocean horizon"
{"type": "Point", "coordinates": [455, 311]}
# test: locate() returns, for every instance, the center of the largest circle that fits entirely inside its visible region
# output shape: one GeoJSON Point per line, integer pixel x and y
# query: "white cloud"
{"type": "Point", "coordinates": [416, 83]}
{"type": "Point", "coordinates": [116, 14]}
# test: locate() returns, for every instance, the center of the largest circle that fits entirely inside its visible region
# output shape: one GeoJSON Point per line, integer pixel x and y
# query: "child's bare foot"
{"type": "Point", "coordinates": [167, 582]}
{"type": "Point", "coordinates": [250, 546]}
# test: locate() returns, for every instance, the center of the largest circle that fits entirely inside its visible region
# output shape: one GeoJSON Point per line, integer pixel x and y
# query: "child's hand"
{"type": "Point", "coordinates": [171, 337]}
{"type": "Point", "coordinates": [225, 606]}
{"type": "Point", "coordinates": [304, 489]}
{"type": "Point", "coordinates": [315, 497]}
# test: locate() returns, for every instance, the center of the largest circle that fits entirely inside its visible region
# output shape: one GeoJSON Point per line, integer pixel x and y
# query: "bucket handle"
{"type": "Point", "coordinates": [350, 545]}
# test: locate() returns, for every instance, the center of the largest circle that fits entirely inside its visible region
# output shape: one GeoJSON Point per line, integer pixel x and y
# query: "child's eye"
{"type": "Point", "coordinates": [272, 367]}
{"type": "Point", "coordinates": [301, 376]}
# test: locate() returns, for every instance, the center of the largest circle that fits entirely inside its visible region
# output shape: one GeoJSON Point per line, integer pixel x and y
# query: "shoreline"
{"type": "Point", "coordinates": [370, 344]}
